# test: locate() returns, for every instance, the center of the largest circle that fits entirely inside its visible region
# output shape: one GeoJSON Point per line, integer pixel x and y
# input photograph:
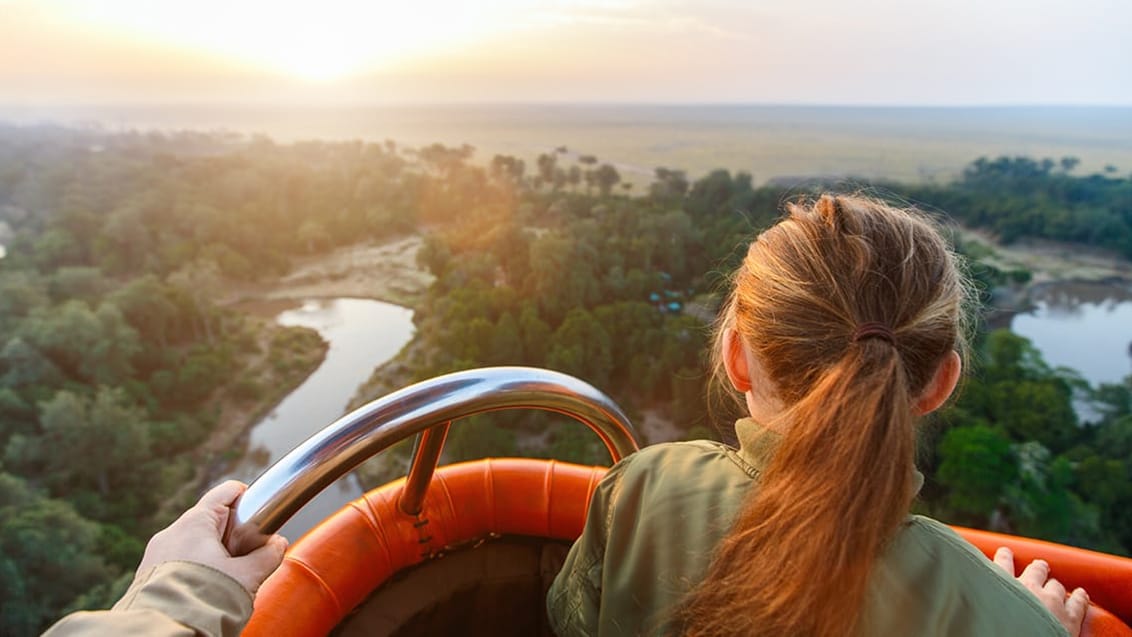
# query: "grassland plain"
{"type": "Point", "coordinates": [770, 142]}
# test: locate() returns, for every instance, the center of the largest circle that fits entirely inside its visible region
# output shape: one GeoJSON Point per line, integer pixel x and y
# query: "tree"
{"type": "Point", "coordinates": [48, 557]}
{"type": "Point", "coordinates": [146, 305]}
{"type": "Point", "coordinates": [977, 467]}
{"type": "Point", "coordinates": [667, 241]}
{"type": "Point", "coordinates": [606, 177]}
{"type": "Point", "coordinates": [1017, 390]}
{"type": "Point", "coordinates": [98, 444]}
{"type": "Point", "coordinates": [109, 360]}
{"type": "Point", "coordinates": [1114, 401]}
{"type": "Point", "coordinates": [635, 335]}
{"type": "Point", "coordinates": [20, 293]}
{"type": "Point", "coordinates": [58, 247]}
{"type": "Point", "coordinates": [535, 336]}
{"type": "Point", "coordinates": [506, 342]}
{"type": "Point", "coordinates": [713, 194]}
{"type": "Point", "coordinates": [199, 281]}
{"type": "Point", "coordinates": [546, 168]}
{"type": "Point", "coordinates": [1105, 482]}
{"type": "Point", "coordinates": [479, 437]}
{"type": "Point", "coordinates": [573, 443]}
{"type": "Point", "coordinates": [507, 168]}
{"type": "Point", "coordinates": [434, 255]}
{"type": "Point", "coordinates": [92, 346]}
{"type": "Point", "coordinates": [669, 184]}
{"type": "Point", "coordinates": [511, 246]}
{"type": "Point", "coordinates": [574, 177]}
{"type": "Point", "coordinates": [1043, 504]}
{"type": "Point", "coordinates": [1114, 436]}
{"type": "Point", "coordinates": [563, 276]}
{"type": "Point", "coordinates": [16, 415]}
{"type": "Point", "coordinates": [80, 283]}
{"type": "Point", "coordinates": [23, 365]}
{"type": "Point", "coordinates": [124, 243]}
{"type": "Point", "coordinates": [581, 347]}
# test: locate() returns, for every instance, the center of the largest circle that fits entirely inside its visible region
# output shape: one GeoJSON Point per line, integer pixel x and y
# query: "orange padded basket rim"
{"type": "Point", "coordinates": [339, 563]}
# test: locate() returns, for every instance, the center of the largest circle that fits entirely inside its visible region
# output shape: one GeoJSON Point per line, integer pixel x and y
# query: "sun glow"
{"type": "Point", "coordinates": [322, 40]}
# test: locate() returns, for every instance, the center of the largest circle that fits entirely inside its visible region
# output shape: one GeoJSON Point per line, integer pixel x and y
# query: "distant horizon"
{"type": "Point", "coordinates": [901, 142]}
{"type": "Point", "coordinates": [313, 104]}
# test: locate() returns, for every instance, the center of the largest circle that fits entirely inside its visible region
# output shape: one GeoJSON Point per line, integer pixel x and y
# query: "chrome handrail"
{"type": "Point", "coordinates": [343, 445]}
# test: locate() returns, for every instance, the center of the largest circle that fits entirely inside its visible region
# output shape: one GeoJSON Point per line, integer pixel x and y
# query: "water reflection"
{"type": "Point", "coordinates": [362, 335]}
{"type": "Point", "coordinates": [1084, 326]}
{"type": "Point", "coordinates": [1068, 299]}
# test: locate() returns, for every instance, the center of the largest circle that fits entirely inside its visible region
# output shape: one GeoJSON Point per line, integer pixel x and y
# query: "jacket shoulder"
{"type": "Point", "coordinates": [944, 580]}
{"type": "Point", "coordinates": [691, 456]}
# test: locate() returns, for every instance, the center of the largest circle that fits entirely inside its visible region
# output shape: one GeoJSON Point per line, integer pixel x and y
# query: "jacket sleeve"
{"type": "Point", "coordinates": [178, 599]}
{"type": "Point", "coordinates": [573, 602]}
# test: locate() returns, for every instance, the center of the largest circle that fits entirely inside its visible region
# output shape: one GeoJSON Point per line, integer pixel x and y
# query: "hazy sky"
{"type": "Point", "coordinates": [356, 51]}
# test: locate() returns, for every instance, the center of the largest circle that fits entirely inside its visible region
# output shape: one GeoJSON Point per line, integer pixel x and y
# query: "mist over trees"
{"type": "Point", "coordinates": [117, 343]}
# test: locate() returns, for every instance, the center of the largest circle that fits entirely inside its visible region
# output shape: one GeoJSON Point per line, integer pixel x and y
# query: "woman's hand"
{"type": "Point", "coordinates": [1068, 609]}
{"type": "Point", "coordinates": [195, 537]}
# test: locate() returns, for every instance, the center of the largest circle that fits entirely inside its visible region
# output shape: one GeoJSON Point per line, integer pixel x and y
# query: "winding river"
{"type": "Point", "coordinates": [1084, 326]}
{"type": "Point", "coordinates": [362, 335]}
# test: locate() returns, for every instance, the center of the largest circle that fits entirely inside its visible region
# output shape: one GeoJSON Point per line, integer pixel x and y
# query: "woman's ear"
{"type": "Point", "coordinates": [735, 361]}
{"type": "Point", "coordinates": [941, 385]}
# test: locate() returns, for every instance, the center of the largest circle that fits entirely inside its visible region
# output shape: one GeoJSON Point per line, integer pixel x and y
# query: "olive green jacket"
{"type": "Point", "coordinates": [178, 599]}
{"type": "Point", "coordinates": [657, 515]}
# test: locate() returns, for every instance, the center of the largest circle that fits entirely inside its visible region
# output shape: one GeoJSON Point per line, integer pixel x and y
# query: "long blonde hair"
{"type": "Point", "coordinates": [798, 557]}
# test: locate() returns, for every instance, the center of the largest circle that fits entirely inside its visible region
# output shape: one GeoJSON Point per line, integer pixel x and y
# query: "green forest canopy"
{"type": "Point", "coordinates": [114, 352]}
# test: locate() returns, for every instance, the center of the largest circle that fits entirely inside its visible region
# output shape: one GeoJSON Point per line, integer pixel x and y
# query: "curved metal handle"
{"type": "Point", "coordinates": [343, 445]}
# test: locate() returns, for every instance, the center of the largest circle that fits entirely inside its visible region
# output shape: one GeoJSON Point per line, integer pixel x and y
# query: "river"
{"type": "Point", "coordinates": [1083, 326]}
{"type": "Point", "coordinates": [362, 335]}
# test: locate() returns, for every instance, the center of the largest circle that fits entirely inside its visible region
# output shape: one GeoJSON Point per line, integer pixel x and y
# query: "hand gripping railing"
{"type": "Point", "coordinates": [426, 409]}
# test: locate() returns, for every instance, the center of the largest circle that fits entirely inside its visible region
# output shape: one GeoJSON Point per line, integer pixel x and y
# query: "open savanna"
{"type": "Point", "coordinates": [792, 142]}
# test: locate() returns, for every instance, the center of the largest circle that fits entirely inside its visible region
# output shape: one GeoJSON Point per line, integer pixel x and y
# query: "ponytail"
{"type": "Point", "coordinates": [799, 555]}
{"type": "Point", "coordinates": [798, 558]}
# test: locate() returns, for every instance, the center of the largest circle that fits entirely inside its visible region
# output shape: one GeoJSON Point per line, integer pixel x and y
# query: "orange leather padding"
{"type": "Point", "coordinates": [1101, 623]}
{"type": "Point", "coordinates": [336, 565]}
{"type": "Point", "coordinates": [1107, 578]}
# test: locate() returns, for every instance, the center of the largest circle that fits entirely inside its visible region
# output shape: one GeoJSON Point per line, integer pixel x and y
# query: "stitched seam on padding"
{"type": "Point", "coordinates": [340, 613]}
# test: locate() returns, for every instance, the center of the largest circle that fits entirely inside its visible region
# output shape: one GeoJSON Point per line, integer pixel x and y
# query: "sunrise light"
{"type": "Point", "coordinates": [433, 51]}
{"type": "Point", "coordinates": [311, 40]}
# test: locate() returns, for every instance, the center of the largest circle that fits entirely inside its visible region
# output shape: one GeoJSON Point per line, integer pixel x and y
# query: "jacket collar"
{"type": "Point", "coordinates": [757, 444]}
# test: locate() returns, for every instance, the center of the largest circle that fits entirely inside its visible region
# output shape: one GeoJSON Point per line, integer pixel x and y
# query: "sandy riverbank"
{"type": "Point", "coordinates": [1051, 261]}
{"type": "Point", "coordinates": [386, 272]}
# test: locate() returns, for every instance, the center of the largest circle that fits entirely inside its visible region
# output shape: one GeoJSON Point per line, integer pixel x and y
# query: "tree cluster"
{"type": "Point", "coordinates": [1020, 197]}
